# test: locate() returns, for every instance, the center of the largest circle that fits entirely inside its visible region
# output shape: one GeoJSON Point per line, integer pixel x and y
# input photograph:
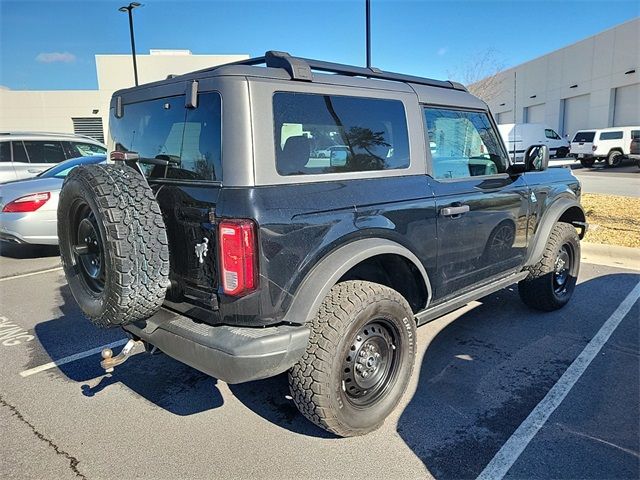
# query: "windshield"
{"type": "Point", "coordinates": [61, 170]}
{"type": "Point", "coordinates": [584, 137]}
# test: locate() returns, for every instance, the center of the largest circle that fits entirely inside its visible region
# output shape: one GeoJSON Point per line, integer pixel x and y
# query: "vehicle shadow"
{"type": "Point", "coordinates": [158, 379]}
{"type": "Point", "coordinates": [485, 371]}
{"type": "Point", "coordinates": [19, 251]}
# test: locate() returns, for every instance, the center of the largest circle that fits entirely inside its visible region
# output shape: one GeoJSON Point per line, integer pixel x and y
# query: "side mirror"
{"type": "Point", "coordinates": [536, 158]}
{"type": "Point", "coordinates": [338, 157]}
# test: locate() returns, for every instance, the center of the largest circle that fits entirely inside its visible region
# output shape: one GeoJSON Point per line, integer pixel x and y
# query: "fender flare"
{"type": "Point", "coordinates": [548, 221]}
{"type": "Point", "coordinates": [319, 281]}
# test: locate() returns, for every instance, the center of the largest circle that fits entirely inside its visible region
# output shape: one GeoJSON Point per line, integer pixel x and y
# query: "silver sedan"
{"type": "Point", "coordinates": [28, 208]}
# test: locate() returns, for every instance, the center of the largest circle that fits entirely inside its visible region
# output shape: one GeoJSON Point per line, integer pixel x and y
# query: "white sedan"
{"type": "Point", "coordinates": [29, 208]}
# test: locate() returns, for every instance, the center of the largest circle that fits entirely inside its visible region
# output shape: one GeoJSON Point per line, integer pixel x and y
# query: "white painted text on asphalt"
{"type": "Point", "coordinates": [12, 334]}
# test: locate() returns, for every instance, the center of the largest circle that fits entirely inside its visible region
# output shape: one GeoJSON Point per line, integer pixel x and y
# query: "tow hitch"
{"type": "Point", "coordinates": [109, 362]}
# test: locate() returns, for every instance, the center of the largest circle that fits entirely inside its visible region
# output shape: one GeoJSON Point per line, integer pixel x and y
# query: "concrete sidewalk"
{"type": "Point", "coordinates": [611, 255]}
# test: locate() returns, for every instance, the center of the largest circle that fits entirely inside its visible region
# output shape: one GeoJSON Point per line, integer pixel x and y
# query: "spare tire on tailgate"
{"type": "Point", "coordinates": [113, 244]}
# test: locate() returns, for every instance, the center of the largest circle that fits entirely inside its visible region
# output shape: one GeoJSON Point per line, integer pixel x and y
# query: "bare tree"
{"type": "Point", "coordinates": [481, 74]}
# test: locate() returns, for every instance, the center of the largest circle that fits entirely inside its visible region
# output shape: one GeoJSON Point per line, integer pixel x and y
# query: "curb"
{"type": "Point", "coordinates": [610, 255]}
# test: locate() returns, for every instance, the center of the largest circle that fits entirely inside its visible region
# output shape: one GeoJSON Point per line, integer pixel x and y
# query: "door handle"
{"type": "Point", "coordinates": [35, 170]}
{"type": "Point", "coordinates": [452, 211]}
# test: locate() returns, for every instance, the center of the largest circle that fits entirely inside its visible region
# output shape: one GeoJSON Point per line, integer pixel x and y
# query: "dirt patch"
{"type": "Point", "coordinates": [613, 220]}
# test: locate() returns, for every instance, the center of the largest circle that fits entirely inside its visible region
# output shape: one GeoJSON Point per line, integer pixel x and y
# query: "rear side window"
{"type": "Point", "coordinates": [87, 149]}
{"type": "Point", "coordinates": [44, 151]}
{"type": "Point", "coordinates": [317, 134]}
{"type": "Point", "coordinates": [584, 136]}
{"type": "Point", "coordinates": [611, 135]}
{"type": "Point", "coordinates": [19, 153]}
{"type": "Point", "coordinates": [5, 152]}
{"type": "Point", "coordinates": [163, 129]}
{"type": "Point", "coordinates": [463, 144]}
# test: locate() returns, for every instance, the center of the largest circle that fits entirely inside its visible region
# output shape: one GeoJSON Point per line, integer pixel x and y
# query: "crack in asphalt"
{"type": "Point", "coordinates": [73, 461]}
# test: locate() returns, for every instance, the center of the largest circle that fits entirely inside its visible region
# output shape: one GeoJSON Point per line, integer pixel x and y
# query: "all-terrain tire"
{"type": "Point", "coordinates": [614, 159]}
{"type": "Point", "coordinates": [113, 244]}
{"type": "Point", "coordinates": [541, 289]}
{"type": "Point", "coordinates": [354, 313]}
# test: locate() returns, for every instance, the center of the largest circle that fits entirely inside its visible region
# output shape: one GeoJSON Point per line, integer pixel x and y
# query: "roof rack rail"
{"type": "Point", "coordinates": [301, 69]}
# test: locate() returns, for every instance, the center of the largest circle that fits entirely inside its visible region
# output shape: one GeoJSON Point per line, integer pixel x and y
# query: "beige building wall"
{"type": "Point", "coordinates": [52, 111]}
{"type": "Point", "coordinates": [593, 83]}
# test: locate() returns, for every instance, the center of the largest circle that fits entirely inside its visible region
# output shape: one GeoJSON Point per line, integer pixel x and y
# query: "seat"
{"type": "Point", "coordinates": [294, 156]}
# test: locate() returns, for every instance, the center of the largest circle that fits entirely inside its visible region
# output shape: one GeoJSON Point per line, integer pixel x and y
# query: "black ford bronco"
{"type": "Point", "coordinates": [287, 214]}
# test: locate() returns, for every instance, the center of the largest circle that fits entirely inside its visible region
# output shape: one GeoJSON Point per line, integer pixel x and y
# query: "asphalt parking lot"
{"type": "Point", "coordinates": [480, 373]}
{"type": "Point", "coordinates": [623, 180]}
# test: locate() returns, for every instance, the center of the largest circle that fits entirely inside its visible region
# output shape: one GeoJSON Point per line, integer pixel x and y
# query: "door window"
{"type": "Point", "coordinates": [44, 151]}
{"type": "Point", "coordinates": [190, 139]}
{"type": "Point", "coordinates": [87, 149]}
{"type": "Point", "coordinates": [551, 134]}
{"type": "Point", "coordinates": [19, 153]}
{"type": "Point", "coordinates": [317, 134]}
{"type": "Point", "coordinates": [463, 144]}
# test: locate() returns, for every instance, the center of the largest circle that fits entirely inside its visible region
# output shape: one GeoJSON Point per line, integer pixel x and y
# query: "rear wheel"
{"type": "Point", "coordinates": [552, 280]}
{"type": "Point", "coordinates": [113, 244]}
{"type": "Point", "coordinates": [359, 359]}
{"type": "Point", "coordinates": [614, 159]}
{"type": "Point", "coordinates": [587, 162]}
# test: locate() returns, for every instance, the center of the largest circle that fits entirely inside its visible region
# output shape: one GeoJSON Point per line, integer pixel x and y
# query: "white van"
{"type": "Point", "coordinates": [526, 134]}
{"type": "Point", "coordinates": [611, 145]}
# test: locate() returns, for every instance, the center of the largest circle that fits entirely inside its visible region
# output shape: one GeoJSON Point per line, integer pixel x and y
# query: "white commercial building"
{"type": "Point", "coordinates": [87, 111]}
{"type": "Point", "coordinates": [594, 83]}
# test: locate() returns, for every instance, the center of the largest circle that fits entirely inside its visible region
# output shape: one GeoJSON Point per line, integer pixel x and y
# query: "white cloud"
{"type": "Point", "coordinates": [441, 51]}
{"type": "Point", "coordinates": [53, 57]}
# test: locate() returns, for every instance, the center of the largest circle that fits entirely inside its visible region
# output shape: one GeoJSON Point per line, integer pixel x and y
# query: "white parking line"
{"type": "Point", "coordinates": [71, 358]}
{"type": "Point", "coordinates": [513, 448]}
{"type": "Point", "coordinates": [22, 275]}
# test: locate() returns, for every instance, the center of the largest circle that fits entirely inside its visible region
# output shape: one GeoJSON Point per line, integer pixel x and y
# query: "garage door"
{"type": "Point", "coordinates": [575, 115]}
{"type": "Point", "coordinates": [535, 114]}
{"type": "Point", "coordinates": [504, 117]}
{"type": "Point", "coordinates": [627, 107]}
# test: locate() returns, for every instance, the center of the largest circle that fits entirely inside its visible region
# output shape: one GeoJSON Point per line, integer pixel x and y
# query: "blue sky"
{"type": "Point", "coordinates": [51, 44]}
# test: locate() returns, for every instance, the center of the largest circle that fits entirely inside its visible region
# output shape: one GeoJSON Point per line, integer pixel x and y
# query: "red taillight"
{"type": "Point", "coordinates": [28, 203]}
{"type": "Point", "coordinates": [238, 256]}
{"type": "Point", "coordinates": [594, 148]}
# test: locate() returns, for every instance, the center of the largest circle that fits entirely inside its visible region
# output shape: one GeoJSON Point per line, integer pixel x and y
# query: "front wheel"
{"type": "Point", "coordinates": [552, 280]}
{"type": "Point", "coordinates": [359, 359]}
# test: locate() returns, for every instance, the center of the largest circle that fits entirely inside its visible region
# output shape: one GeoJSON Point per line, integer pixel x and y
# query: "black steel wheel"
{"type": "Point", "coordinates": [552, 280]}
{"type": "Point", "coordinates": [359, 359]}
{"type": "Point", "coordinates": [113, 244]}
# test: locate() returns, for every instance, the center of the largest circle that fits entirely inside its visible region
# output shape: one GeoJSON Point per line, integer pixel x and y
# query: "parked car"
{"type": "Point", "coordinates": [28, 207]}
{"type": "Point", "coordinates": [610, 145]}
{"type": "Point", "coordinates": [266, 264]}
{"type": "Point", "coordinates": [25, 154]}
{"type": "Point", "coordinates": [634, 148]}
{"type": "Point", "coordinates": [521, 136]}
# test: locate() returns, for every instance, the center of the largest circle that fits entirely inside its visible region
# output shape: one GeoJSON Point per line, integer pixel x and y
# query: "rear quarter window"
{"type": "Point", "coordinates": [611, 135]}
{"type": "Point", "coordinates": [319, 134]}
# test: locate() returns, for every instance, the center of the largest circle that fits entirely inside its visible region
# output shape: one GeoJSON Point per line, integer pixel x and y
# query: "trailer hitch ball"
{"type": "Point", "coordinates": [109, 362]}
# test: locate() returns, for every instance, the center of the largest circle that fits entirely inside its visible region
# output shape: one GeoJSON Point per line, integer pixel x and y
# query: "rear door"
{"type": "Point", "coordinates": [187, 188]}
{"type": "Point", "coordinates": [482, 211]}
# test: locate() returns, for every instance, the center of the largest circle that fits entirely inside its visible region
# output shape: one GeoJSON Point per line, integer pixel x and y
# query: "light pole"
{"type": "Point", "coordinates": [368, 20]}
{"type": "Point", "coordinates": [129, 9]}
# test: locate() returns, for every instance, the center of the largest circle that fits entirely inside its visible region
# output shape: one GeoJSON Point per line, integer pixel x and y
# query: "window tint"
{"type": "Point", "coordinates": [584, 136]}
{"type": "Point", "coordinates": [164, 129]}
{"type": "Point", "coordinates": [44, 151]}
{"type": "Point", "coordinates": [5, 152]}
{"type": "Point", "coordinates": [611, 135]}
{"type": "Point", "coordinates": [317, 134]}
{"type": "Point", "coordinates": [463, 144]}
{"type": "Point", "coordinates": [19, 153]}
{"type": "Point", "coordinates": [551, 134]}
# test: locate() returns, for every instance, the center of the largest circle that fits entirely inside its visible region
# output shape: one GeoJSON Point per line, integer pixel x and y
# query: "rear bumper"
{"type": "Point", "coordinates": [231, 354]}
